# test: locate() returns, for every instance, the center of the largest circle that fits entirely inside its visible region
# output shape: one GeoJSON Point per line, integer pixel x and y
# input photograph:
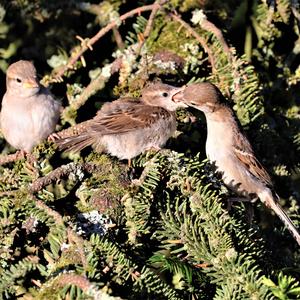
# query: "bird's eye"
{"type": "Point", "coordinates": [18, 80]}
{"type": "Point", "coordinates": [165, 94]}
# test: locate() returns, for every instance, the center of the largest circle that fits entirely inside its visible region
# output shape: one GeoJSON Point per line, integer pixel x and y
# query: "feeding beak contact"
{"type": "Point", "coordinates": [178, 96]}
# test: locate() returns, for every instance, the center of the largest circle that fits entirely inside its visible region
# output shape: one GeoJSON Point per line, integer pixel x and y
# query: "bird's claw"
{"type": "Point", "coordinates": [53, 137]}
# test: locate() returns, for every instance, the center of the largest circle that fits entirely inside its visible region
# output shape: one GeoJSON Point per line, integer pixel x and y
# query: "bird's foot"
{"type": "Point", "coordinates": [129, 163]}
{"type": "Point", "coordinates": [53, 137]}
{"type": "Point", "coordinates": [31, 159]}
{"type": "Point", "coordinates": [153, 149]}
{"type": "Point", "coordinates": [30, 163]}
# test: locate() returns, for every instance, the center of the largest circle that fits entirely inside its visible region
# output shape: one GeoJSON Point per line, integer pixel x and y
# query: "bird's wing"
{"type": "Point", "coordinates": [122, 103]}
{"type": "Point", "coordinates": [118, 117]}
{"type": "Point", "coordinates": [126, 117]}
{"type": "Point", "coordinates": [245, 154]}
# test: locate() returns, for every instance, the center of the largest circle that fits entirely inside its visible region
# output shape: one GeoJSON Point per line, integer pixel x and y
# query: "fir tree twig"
{"type": "Point", "coordinates": [60, 172]}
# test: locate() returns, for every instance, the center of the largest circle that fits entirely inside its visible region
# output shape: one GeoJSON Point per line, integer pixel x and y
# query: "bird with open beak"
{"type": "Point", "coordinates": [29, 112]}
{"type": "Point", "coordinates": [230, 150]}
{"type": "Point", "coordinates": [128, 126]}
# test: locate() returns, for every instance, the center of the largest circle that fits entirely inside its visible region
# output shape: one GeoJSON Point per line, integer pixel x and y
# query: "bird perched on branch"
{"type": "Point", "coordinates": [231, 151]}
{"type": "Point", "coordinates": [29, 112]}
{"type": "Point", "coordinates": [128, 126]}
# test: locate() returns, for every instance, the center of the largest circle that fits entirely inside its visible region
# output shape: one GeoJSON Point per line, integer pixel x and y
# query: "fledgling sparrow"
{"type": "Point", "coordinates": [29, 112]}
{"type": "Point", "coordinates": [128, 126]}
{"type": "Point", "coordinates": [230, 150]}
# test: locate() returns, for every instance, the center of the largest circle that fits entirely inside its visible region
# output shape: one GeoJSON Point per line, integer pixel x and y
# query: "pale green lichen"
{"type": "Point", "coordinates": [198, 16]}
{"type": "Point", "coordinates": [106, 71]}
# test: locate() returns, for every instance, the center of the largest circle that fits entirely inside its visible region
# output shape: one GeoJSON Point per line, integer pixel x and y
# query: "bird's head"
{"type": "Point", "coordinates": [21, 79]}
{"type": "Point", "coordinates": [160, 94]}
{"type": "Point", "coordinates": [203, 96]}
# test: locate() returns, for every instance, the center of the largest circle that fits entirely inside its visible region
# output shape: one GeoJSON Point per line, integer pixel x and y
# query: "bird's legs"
{"type": "Point", "coordinates": [129, 163]}
{"type": "Point", "coordinates": [153, 149]}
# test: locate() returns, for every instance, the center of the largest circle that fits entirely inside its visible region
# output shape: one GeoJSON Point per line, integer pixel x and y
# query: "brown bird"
{"type": "Point", "coordinates": [29, 112]}
{"type": "Point", "coordinates": [230, 150]}
{"type": "Point", "coordinates": [128, 126]}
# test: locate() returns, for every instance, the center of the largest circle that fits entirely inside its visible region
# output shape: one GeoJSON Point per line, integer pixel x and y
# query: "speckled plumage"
{"type": "Point", "coordinates": [230, 150]}
{"type": "Point", "coordinates": [29, 112]}
{"type": "Point", "coordinates": [128, 126]}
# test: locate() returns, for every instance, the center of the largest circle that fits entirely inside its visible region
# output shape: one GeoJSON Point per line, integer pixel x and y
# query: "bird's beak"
{"type": "Point", "coordinates": [30, 84]}
{"type": "Point", "coordinates": [178, 96]}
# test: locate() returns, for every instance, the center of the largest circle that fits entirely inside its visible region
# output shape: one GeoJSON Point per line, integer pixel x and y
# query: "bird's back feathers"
{"type": "Point", "coordinates": [122, 116]}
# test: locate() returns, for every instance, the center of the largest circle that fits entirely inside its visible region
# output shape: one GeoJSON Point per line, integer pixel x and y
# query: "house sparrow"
{"type": "Point", "coordinates": [128, 126]}
{"type": "Point", "coordinates": [228, 147]}
{"type": "Point", "coordinates": [29, 112]}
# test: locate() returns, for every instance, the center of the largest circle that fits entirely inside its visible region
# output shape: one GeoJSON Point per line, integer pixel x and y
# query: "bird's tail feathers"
{"type": "Point", "coordinates": [75, 143]}
{"type": "Point", "coordinates": [271, 201]}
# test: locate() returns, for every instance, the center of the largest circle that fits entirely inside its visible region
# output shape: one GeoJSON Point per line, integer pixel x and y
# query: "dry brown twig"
{"type": "Point", "coordinates": [94, 86]}
{"type": "Point", "coordinates": [118, 38]}
{"type": "Point", "coordinates": [5, 159]}
{"type": "Point", "coordinates": [115, 66]}
{"type": "Point", "coordinates": [96, 9]}
{"type": "Point", "coordinates": [149, 25]}
{"type": "Point", "coordinates": [200, 39]}
{"type": "Point", "coordinates": [78, 280]}
{"type": "Point", "coordinates": [232, 60]}
{"type": "Point", "coordinates": [87, 44]}
{"type": "Point", "coordinates": [210, 27]}
{"type": "Point", "coordinates": [61, 172]}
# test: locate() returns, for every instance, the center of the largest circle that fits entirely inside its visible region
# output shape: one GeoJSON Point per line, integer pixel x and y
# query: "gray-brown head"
{"type": "Point", "coordinates": [21, 79]}
{"type": "Point", "coordinates": [203, 96]}
{"type": "Point", "coordinates": [160, 94]}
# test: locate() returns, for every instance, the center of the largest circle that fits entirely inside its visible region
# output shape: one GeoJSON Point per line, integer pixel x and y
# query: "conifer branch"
{"type": "Point", "coordinates": [60, 172]}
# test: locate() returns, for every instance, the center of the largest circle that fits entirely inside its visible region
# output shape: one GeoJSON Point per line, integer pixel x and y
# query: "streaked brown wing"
{"type": "Point", "coordinates": [122, 103]}
{"type": "Point", "coordinates": [126, 118]}
{"type": "Point", "coordinates": [245, 154]}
